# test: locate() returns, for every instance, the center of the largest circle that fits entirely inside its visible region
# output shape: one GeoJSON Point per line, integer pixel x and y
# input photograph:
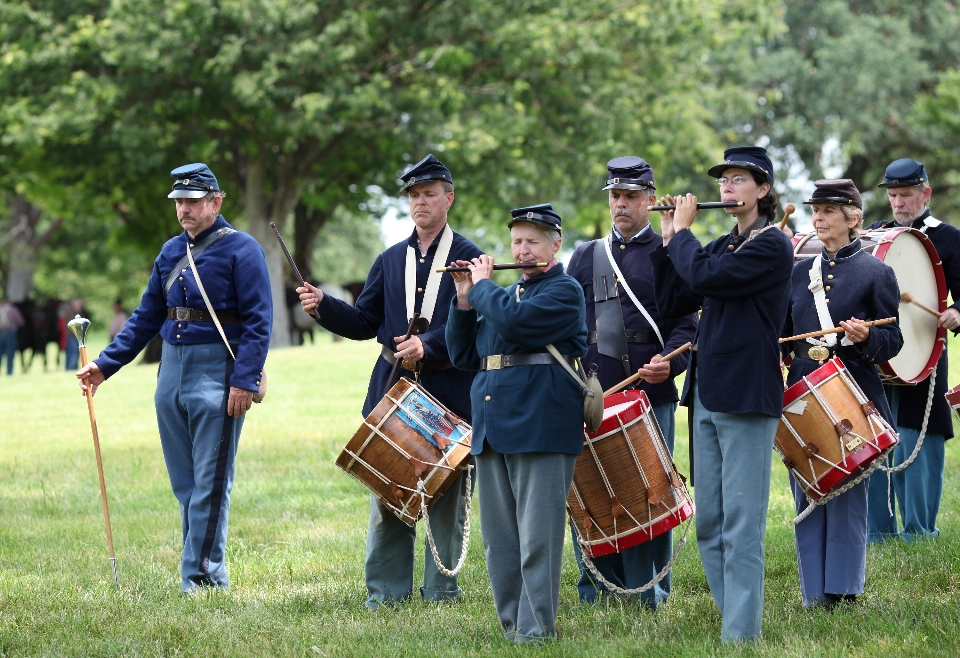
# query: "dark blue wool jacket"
{"type": "Point", "coordinates": [381, 313]}
{"type": "Point", "coordinates": [234, 274]}
{"type": "Point", "coordinates": [863, 287]}
{"type": "Point", "coordinates": [534, 408]}
{"type": "Point", "coordinates": [633, 259]}
{"type": "Point", "coordinates": [743, 296]}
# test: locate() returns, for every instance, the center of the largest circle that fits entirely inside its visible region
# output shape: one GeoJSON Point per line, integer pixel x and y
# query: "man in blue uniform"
{"type": "Point", "coordinates": [202, 392]}
{"type": "Point", "coordinates": [404, 281]}
{"type": "Point", "coordinates": [741, 281]}
{"type": "Point", "coordinates": [917, 488]}
{"type": "Point", "coordinates": [527, 416]}
{"type": "Point", "coordinates": [626, 334]}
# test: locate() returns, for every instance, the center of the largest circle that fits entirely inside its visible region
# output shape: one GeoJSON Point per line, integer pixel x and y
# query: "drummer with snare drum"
{"type": "Point", "coordinates": [626, 335]}
{"type": "Point", "coordinates": [918, 488]}
{"type": "Point", "coordinates": [403, 281]}
{"type": "Point", "coordinates": [843, 286]}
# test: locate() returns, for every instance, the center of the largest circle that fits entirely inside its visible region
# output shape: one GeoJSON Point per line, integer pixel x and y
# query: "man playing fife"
{"type": "Point", "coordinates": [919, 486]}
{"type": "Point", "coordinates": [628, 334]}
{"type": "Point", "coordinates": [404, 281]}
{"type": "Point", "coordinates": [741, 281]}
{"type": "Point", "coordinates": [202, 392]}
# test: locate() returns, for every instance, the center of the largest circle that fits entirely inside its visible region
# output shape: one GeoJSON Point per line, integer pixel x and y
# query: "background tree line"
{"type": "Point", "coordinates": [309, 111]}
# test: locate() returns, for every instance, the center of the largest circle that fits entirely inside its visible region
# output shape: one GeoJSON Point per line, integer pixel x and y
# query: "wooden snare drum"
{"type": "Point", "coordinates": [919, 272]}
{"type": "Point", "coordinates": [829, 431]}
{"type": "Point", "coordinates": [409, 436]}
{"type": "Point", "coordinates": [953, 399]}
{"type": "Point", "coordinates": [626, 489]}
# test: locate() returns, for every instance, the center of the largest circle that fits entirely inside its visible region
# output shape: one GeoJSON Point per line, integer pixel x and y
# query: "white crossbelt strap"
{"type": "Point", "coordinates": [433, 281]}
{"type": "Point", "coordinates": [623, 282]}
{"type": "Point", "coordinates": [820, 301]}
{"type": "Point", "coordinates": [206, 300]}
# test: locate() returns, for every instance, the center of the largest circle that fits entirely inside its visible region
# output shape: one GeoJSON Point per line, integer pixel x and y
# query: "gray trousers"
{"type": "Point", "coordinates": [523, 518]}
{"type": "Point", "coordinates": [732, 458]}
{"type": "Point", "coordinates": [391, 551]}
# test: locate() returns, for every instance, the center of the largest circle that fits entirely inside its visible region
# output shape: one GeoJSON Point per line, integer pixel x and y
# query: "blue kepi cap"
{"type": "Point", "coordinates": [629, 172]}
{"type": "Point", "coordinates": [193, 181]}
{"type": "Point", "coordinates": [754, 158]}
{"type": "Point", "coordinates": [427, 170]}
{"type": "Point", "coordinates": [541, 214]}
{"type": "Point", "coordinates": [904, 173]}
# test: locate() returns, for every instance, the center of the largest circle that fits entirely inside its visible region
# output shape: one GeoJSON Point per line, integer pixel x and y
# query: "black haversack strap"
{"type": "Point", "coordinates": [198, 249]}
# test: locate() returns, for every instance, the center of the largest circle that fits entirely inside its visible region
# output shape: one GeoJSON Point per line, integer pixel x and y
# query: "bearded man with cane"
{"type": "Point", "coordinates": [203, 391]}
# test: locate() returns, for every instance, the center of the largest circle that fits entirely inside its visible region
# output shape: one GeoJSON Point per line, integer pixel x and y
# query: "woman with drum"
{"type": "Point", "coordinates": [843, 282]}
{"type": "Point", "coordinates": [527, 415]}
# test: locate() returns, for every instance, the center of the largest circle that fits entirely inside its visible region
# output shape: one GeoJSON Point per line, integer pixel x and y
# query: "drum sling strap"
{"type": "Point", "coordinates": [432, 288]}
{"type": "Point", "coordinates": [198, 249]}
{"type": "Point", "coordinates": [611, 333]}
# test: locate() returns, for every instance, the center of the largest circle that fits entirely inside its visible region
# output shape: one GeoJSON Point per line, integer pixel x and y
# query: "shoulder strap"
{"type": "Point", "coordinates": [566, 366]}
{"type": "Point", "coordinates": [626, 287]}
{"type": "Point", "coordinates": [433, 280]}
{"type": "Point", "coordinates": [206, 300]}
{"type": "Point", "coordinates": [752, 235]}
{"type": "Point", "coordinates": [198, 249]}
{"type": "Point", "coordinates": [820, 302]}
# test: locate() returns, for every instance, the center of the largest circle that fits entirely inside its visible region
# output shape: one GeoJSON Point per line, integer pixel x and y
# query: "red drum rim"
{"type": "Point", "coordinates": [854, 463]}
{"type": "Point", "coordinates": [953, 396]}
{"type": "Point", "coordinates": [639, 403]}
{"type": "Point", "coordinates": [941, 335]}
{"type": "Point", "coordinates": [817, 377]}
{"type": "Point", "coordinates": [640, 535]}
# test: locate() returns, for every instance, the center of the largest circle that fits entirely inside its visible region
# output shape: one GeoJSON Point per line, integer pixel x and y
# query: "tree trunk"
{"type": "Point", "coordinates": [258, 222]}
{"type": "Point", "coordinates": [25, 243]}
{"type": "Point", "coordinates": [307, 223]}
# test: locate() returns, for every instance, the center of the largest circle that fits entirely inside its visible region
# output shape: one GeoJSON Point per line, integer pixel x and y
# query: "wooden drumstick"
{"type": "Point", "coordinates": [908, 299]}
{"type": "Point", "coordinates": [788, 210]}
{"type": "Point", "coordinates": [632, 378]}
{"type": "Point", "coordinates": [835, 330]}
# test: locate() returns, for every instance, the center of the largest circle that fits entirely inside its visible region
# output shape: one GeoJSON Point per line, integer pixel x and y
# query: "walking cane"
{"type": "Point", "coordinates": [78, 326]}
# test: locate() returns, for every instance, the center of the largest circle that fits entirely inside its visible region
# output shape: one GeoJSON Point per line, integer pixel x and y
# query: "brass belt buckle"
{"type": "Point", "coordinates": [183, 314]}
{"type": "Point", "coordinates": [818, 353]}
{"type": "Point", "coordinates": [495, 362]}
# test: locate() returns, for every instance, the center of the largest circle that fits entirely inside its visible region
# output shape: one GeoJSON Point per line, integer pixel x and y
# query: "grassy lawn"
{"type": "Point", "coordinates": [296, 546]}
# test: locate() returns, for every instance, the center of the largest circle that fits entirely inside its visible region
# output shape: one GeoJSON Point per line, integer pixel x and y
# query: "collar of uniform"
{"type": "Point", "coordinates": [756, 226]}
{"type": "Point", "coordinates": [414, 241]}
{"type": "Point", "coordinates": [918, 220]}
{"type": "Point", "coordinates": [552, 271]}
{"type": "Point", "coordinates": [846, 251]}
{"type": "Point", "coordinates": [218, 223]}
{"type": "Point", "coordinates": [645, 235]}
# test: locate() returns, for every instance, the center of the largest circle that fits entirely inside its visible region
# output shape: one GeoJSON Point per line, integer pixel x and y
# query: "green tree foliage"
{"type": "Point", "coordinates": [853, 71]}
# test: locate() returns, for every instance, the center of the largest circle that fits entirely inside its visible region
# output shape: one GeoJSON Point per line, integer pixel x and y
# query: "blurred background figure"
{"type": "Point", "coordinates": [119, 319]}
{"type": "Point", "coordinates": [10, 321]}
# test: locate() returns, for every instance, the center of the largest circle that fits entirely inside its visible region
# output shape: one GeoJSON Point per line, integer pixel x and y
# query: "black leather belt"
{"type": "Point", "coordinates": [845, 352]}
{"type": "Point", "coordinates": [639, 336]}
{"type": "Point", "coordinates": [500, 361]}
{"type": "Point", "coordinates": [183, 314]}
{"type": "Point", "coordinates": [429, 366]}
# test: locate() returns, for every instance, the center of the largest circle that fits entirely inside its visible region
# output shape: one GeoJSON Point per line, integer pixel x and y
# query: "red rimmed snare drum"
{"type": "Point", "coordinates": [829, 431]}
{"type": "Point", "coordinates": [953, 399]}
{"type": "Point", "coordinates": [409, 436]}
{"type": "Point", "coordinates": [919, 272]}
{"type": "Point", "coordinates": [626, 489]}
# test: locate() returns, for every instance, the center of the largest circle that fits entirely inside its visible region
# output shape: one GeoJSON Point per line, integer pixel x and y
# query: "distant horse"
{"type": "Point", "coordinates": [40, 327]}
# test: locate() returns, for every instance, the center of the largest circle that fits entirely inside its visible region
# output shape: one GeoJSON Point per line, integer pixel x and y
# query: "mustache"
{"type": "Point", "coordinates": [622, 211]}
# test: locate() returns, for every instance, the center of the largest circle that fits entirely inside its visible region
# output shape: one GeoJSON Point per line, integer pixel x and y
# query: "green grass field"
{"type": "Point", "coordinates": [296, 546]}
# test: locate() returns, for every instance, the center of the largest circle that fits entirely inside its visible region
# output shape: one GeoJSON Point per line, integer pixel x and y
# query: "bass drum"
{"type": "Point", "coordinates": [919, 272]}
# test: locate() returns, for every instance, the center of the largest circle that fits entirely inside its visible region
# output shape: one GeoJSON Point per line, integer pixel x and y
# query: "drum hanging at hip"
{"type": "Point", "coordinates": [953, 399]}
{"type": "Point", "coordinates": [919, 272]}
{"type": "Point", "coordinates": [829, 431]}
{"type": "Point", "coordinates": [408, 437]}
{"type": "Point", "coordinates": [626, 489]}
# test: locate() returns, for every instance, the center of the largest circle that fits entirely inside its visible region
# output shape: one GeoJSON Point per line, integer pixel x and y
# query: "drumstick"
{"type": "Point", "coordinates": [498, 266]}
{"type": "Point", "coordinates": [632, 378]}
{"type": "Point", "coordinates": [293, 266]}
{"type": "Point", "coordinates": [701, 206]}
{"type": "Point", "coordinates": [396, 364]}
{"type": "Point", "coordinates": [788, 210]}
{"type": "Point", "coordinates": [835, 330]}
{"type": "Point", "coordinates": [908, 299]}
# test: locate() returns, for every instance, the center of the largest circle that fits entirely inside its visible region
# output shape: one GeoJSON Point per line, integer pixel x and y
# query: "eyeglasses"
{"type": "Point", "coordinates": [736, 180]}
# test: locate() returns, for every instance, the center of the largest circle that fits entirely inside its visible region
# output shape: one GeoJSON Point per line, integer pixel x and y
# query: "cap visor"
{"type": "Point", "coordinates": [187, 194]}
{"type": "Point", "coordinates": [628, 186]}
{"type": "Point", "coordinates": [533, 221]}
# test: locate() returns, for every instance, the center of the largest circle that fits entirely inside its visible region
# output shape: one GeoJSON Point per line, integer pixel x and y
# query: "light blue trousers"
{"type": "Point", "coordinates": [391, 545]}
{"type": "Point", "coordinates": [732, 457]}
{"type": "Point", "coordinates": [916, 490]}
{"type": "Point", "coordinates": [636, 566]}
{"type": "Point", "coordinates": [523, 500]}
{"type": "Point", "coordinates": [199, 442]}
